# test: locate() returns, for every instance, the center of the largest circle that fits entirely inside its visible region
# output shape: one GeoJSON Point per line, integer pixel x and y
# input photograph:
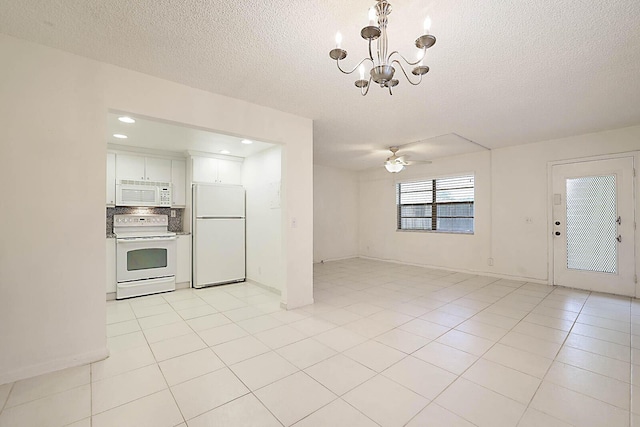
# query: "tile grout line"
{"type": "Point", "coordinates": [4, 404]}
{"type": "Point", "coordinates": [478, 357]}
{"type": "Point", "coordinates": [394, 328]}
{"type": "Point", "coordinates": [521, 320]}
{"type": "Point", "coordinates": [632, 367]}
{"type": "Point", "coordinates": [227, 366]}
{"type": "Point", "coordinates": [553, 360]}
{"type": "Point", "coordinates": [444, 333]}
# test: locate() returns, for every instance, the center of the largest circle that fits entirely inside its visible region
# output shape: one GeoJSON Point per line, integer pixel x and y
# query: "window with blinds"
{"type": "Point", "coordinates": [444, 204]}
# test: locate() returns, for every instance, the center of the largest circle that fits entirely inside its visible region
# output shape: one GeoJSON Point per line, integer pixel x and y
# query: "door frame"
{"type": "Point", "coordinates": [635, 204]}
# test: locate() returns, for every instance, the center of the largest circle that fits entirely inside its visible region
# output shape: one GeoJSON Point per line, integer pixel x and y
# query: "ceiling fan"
{"type": "Point", "coordinates": [395, 163]}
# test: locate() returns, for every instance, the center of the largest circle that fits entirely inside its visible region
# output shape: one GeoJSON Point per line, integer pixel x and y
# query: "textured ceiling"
{"type": "Point", "coordinates": [503, 72]}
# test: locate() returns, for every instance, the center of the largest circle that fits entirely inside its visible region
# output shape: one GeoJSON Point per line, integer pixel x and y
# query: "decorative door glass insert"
{"type": "Point", "coordinates": [591, 224]}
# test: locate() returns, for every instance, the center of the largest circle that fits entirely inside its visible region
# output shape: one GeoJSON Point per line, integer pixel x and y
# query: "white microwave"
{"type": "Point", "coordinates": [143, 194]}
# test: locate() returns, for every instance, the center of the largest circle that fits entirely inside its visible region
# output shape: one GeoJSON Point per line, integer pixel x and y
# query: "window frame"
{"type": "Point", "coordinates": [434, 204]}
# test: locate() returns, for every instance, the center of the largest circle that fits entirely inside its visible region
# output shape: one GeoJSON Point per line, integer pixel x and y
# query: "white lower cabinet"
{"type": "Point", "coordinates": [111, 266]}
{"type": "Point", "coordinates": [183, 267]}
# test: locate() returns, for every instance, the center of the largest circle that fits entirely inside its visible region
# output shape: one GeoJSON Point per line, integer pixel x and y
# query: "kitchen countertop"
{"type": "Point", "coordinates": [178, 233]}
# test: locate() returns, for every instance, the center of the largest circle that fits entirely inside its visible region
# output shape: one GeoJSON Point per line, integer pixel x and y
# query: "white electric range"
{"type": "Point", "coordinates": [145, 255]}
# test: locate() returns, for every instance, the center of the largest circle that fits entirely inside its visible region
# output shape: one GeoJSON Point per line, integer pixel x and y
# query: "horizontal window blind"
{"type": "Point", "coordinates": [444, 204]}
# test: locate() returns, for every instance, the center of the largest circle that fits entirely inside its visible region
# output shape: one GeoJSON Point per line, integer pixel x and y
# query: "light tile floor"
{"type": "Point", "coordinates": [384, 345]}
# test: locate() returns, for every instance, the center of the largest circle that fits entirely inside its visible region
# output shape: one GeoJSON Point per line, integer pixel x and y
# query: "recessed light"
{"type": "Point", "coordinates": [120, 136]}
{"type": "Point", "coordinates": [247, 141]}
{"type": "Point", "coordinates": [126, 119]}
{"type": "Point", "coordinates": [225, 152]}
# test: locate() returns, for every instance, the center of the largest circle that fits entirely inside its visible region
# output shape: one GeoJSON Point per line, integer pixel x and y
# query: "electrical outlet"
{"type": "Point", "coordinates": [173, 213]}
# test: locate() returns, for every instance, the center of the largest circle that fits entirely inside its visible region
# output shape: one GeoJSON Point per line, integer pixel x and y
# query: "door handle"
{"type": "Point", "coordinates": [557, 233]}
{"type": "Point", "coordinates": [619, 238]}
{"type": "Point", "coordinates": [619, 221]}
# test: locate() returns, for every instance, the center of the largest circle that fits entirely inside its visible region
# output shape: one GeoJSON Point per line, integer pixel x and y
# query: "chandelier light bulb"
{"type": "Point", "coordinates": [420, 57]}
{"type": "Point", "coordinates": [372, 16]}
{"type": "Point", "coordinates": [338, 40]}
{"type": "Point", "coordinates": [427, 24]}
{"type": "Point", "coordinates": [361, 71]}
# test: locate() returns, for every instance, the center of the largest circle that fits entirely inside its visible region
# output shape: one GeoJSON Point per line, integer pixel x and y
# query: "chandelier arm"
{"type": "Point", "coordinates": [355, 68]}
{"type": "Point", "coordinates": [395, 61]}
{"type": "Point", "coordinates": [370, 53]}
{"type": "Point", "coordinates": [367, 90]}
{"type": "Point", "coordinates": [395, 52]}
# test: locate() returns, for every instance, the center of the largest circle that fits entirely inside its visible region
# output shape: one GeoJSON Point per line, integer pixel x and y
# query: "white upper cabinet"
{"type": "Point", "coordinates": [157, 170]}
{"type": "Point", "coordinates": [229, 172]}
{"type": "Point", "coordinates": [111, 179]}
{"type": "Point", "coordinates": [139, 168]}
{"type": "Point", "coordinates": [178, 181]}
{"type": "Point", "coordinates": [130, 167]}
{"type": "Point", "coordinates": [216, 171]}
{"type": "Point", "coordinates": [205, 169]}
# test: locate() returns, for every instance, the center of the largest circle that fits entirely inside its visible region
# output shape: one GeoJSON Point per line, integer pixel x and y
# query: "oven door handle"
{"type": "Point", "coordinates": [147, 239]}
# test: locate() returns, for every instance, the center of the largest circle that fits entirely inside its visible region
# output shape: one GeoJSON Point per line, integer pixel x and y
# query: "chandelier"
{"type": "Point", "coordinates": [382, 65]}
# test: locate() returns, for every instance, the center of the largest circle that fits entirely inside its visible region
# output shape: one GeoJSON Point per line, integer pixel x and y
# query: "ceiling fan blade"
{"type": "Point", "coordinates": [419, 162]}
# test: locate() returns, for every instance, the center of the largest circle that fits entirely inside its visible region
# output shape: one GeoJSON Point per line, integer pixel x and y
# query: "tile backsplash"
{"type": "Point", "coordinates": [175, 224]}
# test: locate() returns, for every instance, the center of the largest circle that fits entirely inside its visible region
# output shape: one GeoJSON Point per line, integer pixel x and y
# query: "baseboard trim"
{"type": "Point", "coordinates": [322, 261]}
{"type": "Point", "coordinates": [263, 286]}
{"type": "Point", "coordinates": [54, 365]}
{"type": "Point", "coordinates": [285, 306]}
{"type": "Point", "coordinates": [183, 285]}
{"type": "Point", "coordinates": [461, 270]}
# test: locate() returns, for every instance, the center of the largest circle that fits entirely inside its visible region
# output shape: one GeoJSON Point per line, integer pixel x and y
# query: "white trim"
{"type": "Point", "coordinates": [550, 259]}
{"type": "Point", "coordinates": [460, 270]}
{"type": "Point", "coordinates": [420, 177]}
{"type": "Point", "coordinates": [54, 365]}
{"type": "Point", "coordinates": [285, 306]}
{"type": "Point", "coordinates": [193, 153]}
{"type": "Point", "coordinates": [336, 259]}
{"type": "Point", "coordinates": [263, 286]}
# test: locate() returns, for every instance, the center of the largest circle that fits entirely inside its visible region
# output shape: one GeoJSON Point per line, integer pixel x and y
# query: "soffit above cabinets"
{"type": "Point", "coordinates": [169, 137]}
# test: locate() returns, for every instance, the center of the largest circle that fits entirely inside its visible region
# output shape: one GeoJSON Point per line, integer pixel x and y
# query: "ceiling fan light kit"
{"type": "Point", "coordinates": [393, 167]}
{"type": "Point", "coordinates": [382, 68]}
{"type": "Point", "coordinates": [395, 163]}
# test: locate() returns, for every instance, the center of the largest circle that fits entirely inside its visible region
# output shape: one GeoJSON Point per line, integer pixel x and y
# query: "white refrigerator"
{"type": "Point", "coordinates": [218, 234]}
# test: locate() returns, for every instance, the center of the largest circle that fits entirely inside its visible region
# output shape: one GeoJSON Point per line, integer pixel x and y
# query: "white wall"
{"type": "Point", "coordinates": [511, 185]}
{"type": "Point", "coordinates": [377, 217]}
{"type": "Point", "coordinates": [261, 177]}
{"type": "Point", "coordinates": [53, 111]}
{"type": "Point", "coordinates": [335, 212]}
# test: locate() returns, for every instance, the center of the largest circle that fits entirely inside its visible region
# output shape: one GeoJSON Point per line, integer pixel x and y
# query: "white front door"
{"type": "Point", "coordinates": [593, 226]}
